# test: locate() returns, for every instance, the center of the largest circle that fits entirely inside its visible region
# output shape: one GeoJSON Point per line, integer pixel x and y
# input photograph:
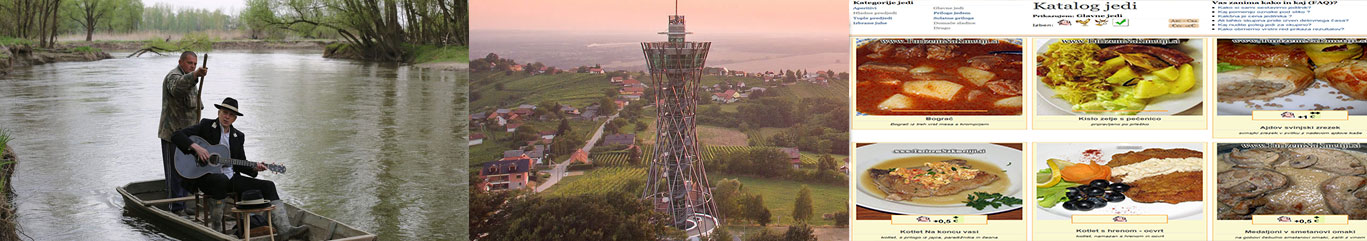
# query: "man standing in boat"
{"type": "Point", "coordinates": [232, 178]}
{"type": "Point", "coordinates": [180, 107]}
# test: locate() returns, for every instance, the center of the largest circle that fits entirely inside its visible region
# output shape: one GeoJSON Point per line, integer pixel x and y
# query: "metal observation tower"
{"type": "Point", "coordinates": [678, 184]}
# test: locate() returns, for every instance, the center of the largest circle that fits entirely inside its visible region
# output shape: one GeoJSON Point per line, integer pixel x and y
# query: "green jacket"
{"type": "Point", "coordinates": [180, 103]}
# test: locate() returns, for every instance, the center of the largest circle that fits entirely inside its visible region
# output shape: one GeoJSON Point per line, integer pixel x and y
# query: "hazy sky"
{"type": "Point", "coordinates": [724, 16]}
{"type": "Point", "coordinates": [231, 6]}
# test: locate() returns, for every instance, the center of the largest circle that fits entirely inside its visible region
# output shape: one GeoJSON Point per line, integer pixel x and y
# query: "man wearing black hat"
{"type": "Point", "coordinates": [231, 178]}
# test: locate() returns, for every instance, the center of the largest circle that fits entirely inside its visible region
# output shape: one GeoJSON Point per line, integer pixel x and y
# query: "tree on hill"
{"type": "Point", "coordinates": [755, 209]}
{"type": "Point", "coordinates": [826, 163]}
{"type": "Point", "coordinates": [640, 126]}
{"type": "Point", "coordinates": [802, 207]}
{"type": "Point", "coordinates": [727, 195]}
{"type": "Point", "coordinates": [564, 128]}
{"type": "Point", "coordinates": [541, 217]}
{"type": "Point", "coordinates": [634, 155]}
{"type": "Point", "coordinates": [484, 207]}
{"type": "Point", "coordinates": [523, 135]}
{"type": "Point", "coordinates": [841, 218]}
{"type": "Point", "coordinates": [610, 92]}
{"type": "Point", "coordinates": [547, 108]}
{"type": "Point", "coordinates": [607, 107]}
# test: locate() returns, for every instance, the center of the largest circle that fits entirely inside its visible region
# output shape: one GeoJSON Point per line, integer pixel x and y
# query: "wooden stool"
{"type": "Point", "coordinates": [244, 221]}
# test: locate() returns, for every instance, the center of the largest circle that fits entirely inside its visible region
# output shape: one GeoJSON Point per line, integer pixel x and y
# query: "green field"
{"type": "Point", "coordinates": [615, 173]}
{"type": "Point", "coordinates": [600, 180]}
{"type": "Point", "coordinates": [780, 194]}
{"type": "Point", "coordinates": [572, 89]}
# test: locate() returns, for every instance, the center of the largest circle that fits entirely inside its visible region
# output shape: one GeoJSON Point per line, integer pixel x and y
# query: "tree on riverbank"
{"type": "Point", "coordinates": [372, 29]}
{"type": "Point", "coordinates": [90, 14]}
{"type": "Point", "coordinates": [31, 19]}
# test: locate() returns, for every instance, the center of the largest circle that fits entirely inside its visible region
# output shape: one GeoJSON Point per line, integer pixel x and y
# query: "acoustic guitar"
{"type": "Point", "coordinates": [189, 166]}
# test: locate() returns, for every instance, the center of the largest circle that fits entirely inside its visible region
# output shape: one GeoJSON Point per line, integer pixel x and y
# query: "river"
{"type": "Point", "coordinates": [381, 147]}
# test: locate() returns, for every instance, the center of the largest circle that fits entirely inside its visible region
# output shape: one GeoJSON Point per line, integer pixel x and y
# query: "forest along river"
{"type": "Point", "coordinates": [377, 146]}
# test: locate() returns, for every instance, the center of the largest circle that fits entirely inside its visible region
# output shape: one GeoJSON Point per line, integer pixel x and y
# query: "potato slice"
{"type": "Point", "coordinates": [897, 101]}
{"type": "Point", "coordinates": [938, 89]}
{"type": "Point", "coordinates": [1013, 102]}
{"type": "Point", "coordinates": [977, 76]}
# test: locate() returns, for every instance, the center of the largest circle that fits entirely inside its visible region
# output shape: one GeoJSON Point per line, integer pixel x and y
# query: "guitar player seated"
{"type": "Point", "coordinates": [230, 178]}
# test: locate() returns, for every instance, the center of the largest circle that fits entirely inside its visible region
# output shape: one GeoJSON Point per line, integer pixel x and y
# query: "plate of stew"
{"type": "Point", "coordinates": [932, 77]}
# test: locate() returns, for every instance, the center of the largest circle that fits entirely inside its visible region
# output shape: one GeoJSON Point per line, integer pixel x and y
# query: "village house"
{"type": "Point", "coordinates": [500, 113]}
{"type": "Point", "coordinates": [794, 156]}
{"type": "Point", "coordinates": [515, 68]}
{"type": "Point", "coordinates": [596, 71]}
{"type": "Point", "coordinates": [729, 96]}
{"type": "Point", "coordinates": [581, 157]}
{"type": "Point", "coordinates": [523, 110]}
{"type": "Point", "coordinates": [631, 92]}
{"type": "Point", "coordinates": [537, 153]}
{"type": "Point", "coordinates": [617, 79]}
{"type": "Point", "coordinates": [506, 174]}
{"type": "Point", "coordinates": [511, 127]}
{"type": "Point", "coordinates": [715, 71]}
{"type": "Point", "coordinates": [569, 110]}
{"type": "Point", "coordinates": [476, 139]}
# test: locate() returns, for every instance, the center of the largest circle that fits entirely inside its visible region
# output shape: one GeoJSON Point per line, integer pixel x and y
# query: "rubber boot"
{"type": "Point", "coordinates": [281, 219]}
{"type": "Point", "coordinates": [216, 214]}
{"type": "Point", "coordinates": [189, 210]}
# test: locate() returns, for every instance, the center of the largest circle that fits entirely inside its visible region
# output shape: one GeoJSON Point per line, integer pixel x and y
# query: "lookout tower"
{"type": "Point", "coordinates": [678, 184]}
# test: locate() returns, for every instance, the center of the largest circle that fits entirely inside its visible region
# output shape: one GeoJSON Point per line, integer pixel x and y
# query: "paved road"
{"type": "Point", "coordinates": [558, 171]}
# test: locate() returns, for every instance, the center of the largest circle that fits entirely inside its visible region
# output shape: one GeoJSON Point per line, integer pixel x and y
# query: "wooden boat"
{"type": "Point", "coordinates": [148, 199]}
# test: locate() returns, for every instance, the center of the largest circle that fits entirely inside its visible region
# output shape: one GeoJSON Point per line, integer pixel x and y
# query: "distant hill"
{"type": "Point", "coordinates": [580, 89]}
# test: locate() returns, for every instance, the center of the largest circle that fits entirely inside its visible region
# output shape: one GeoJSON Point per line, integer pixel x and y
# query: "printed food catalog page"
{"type": "Point", "coordinates": [1107, 120]}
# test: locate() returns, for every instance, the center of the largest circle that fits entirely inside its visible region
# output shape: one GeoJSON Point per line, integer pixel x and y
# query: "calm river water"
{"type": "Point", "coordinates": [378, 146]}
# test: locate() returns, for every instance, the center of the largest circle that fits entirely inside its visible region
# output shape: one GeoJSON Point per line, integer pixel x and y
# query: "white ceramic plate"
{"type": "Point", "coordinates": [1172, 104]}
{"type": "Point", "coordinates": [871, 155]}
{"type": "Point", "coordinates": [1073, 152]}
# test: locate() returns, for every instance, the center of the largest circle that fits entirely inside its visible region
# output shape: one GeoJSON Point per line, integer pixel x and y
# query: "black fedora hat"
{"type": "Point", "coordinates": [252, 199]}
{"type": "Point", "coordinates": [229, 104]}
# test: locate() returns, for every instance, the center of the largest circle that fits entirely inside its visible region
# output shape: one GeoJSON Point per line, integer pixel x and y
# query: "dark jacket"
{"type": "Point", "coordinates": [211, 131]}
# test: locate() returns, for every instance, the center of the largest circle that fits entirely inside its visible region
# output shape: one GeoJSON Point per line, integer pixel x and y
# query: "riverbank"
{"type": "Point", "coordinates": [217, 45]}
{"type": "Point", "coordinates": [455, 58]}
{"type": "Point", "coordinates": [8, 221]}
{"type": "Point", "coordinates": [19, 54]}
